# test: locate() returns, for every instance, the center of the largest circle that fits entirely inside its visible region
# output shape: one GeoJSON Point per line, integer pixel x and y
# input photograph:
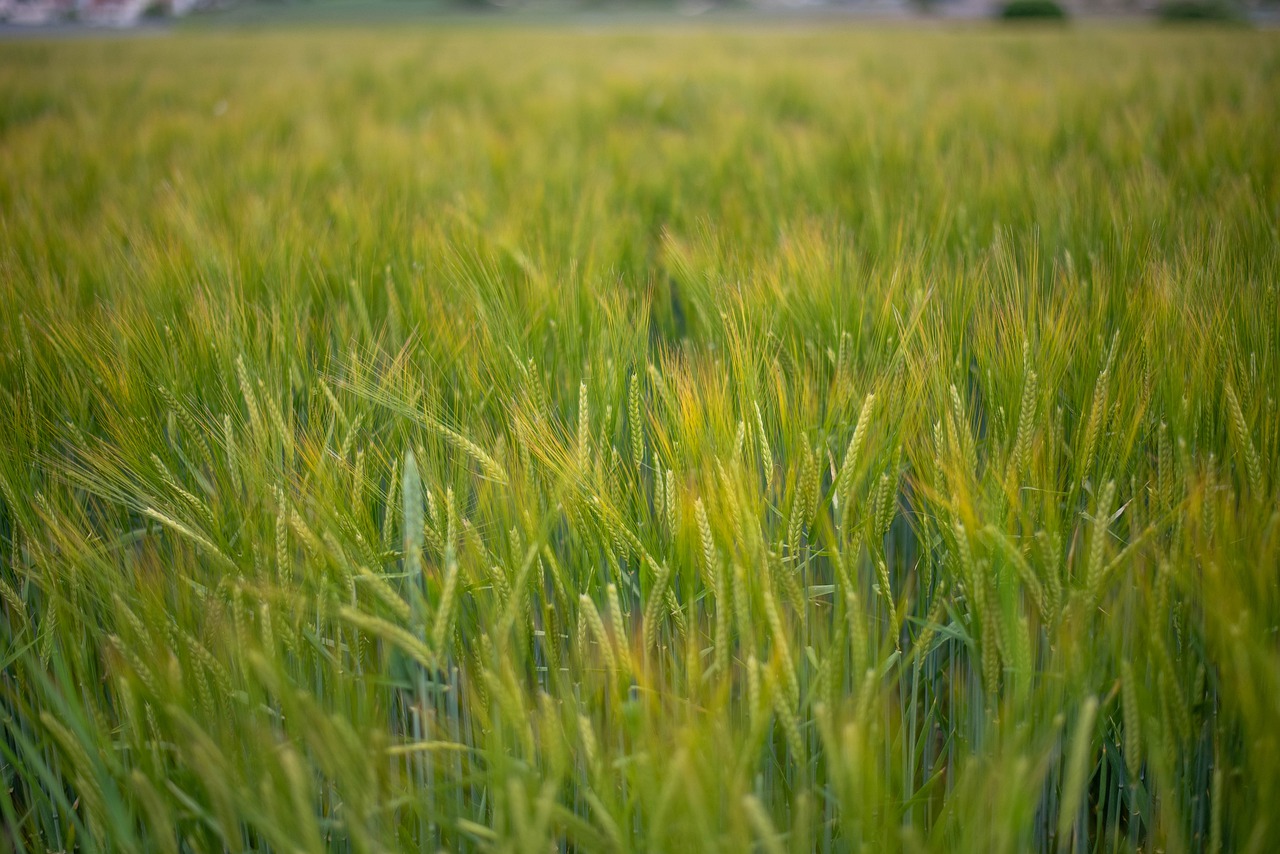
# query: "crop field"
{"type": "Point", "coordinates": [754, 437]}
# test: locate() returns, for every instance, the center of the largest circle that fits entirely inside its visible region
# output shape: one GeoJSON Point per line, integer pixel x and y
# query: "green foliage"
{"type": "Point", "coordinates": [648, 440]}
{"type": "Point", "coordinates": [1198, 11]}
{"type": "Point", "coordinates": [1032, 10]}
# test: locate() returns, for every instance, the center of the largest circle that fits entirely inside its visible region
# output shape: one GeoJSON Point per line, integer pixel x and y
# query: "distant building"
{"type": "Point", "coordinates": [108, 13]}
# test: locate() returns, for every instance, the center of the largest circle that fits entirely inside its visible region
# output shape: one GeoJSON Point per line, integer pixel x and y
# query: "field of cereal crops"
{"type": "Point", "coordinates": [639, 439]}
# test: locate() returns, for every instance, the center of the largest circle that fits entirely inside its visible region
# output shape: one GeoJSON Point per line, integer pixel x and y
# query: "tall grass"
{"type": "Point", "coordinates": [702, 440]}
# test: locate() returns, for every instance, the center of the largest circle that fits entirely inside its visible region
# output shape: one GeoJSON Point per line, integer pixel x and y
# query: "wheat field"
{"type": "Point", "coordinates": [639, 439]}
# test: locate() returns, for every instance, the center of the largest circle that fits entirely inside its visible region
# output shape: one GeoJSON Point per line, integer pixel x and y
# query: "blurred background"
{"type": "Point", "coordinates": [25, 16]}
